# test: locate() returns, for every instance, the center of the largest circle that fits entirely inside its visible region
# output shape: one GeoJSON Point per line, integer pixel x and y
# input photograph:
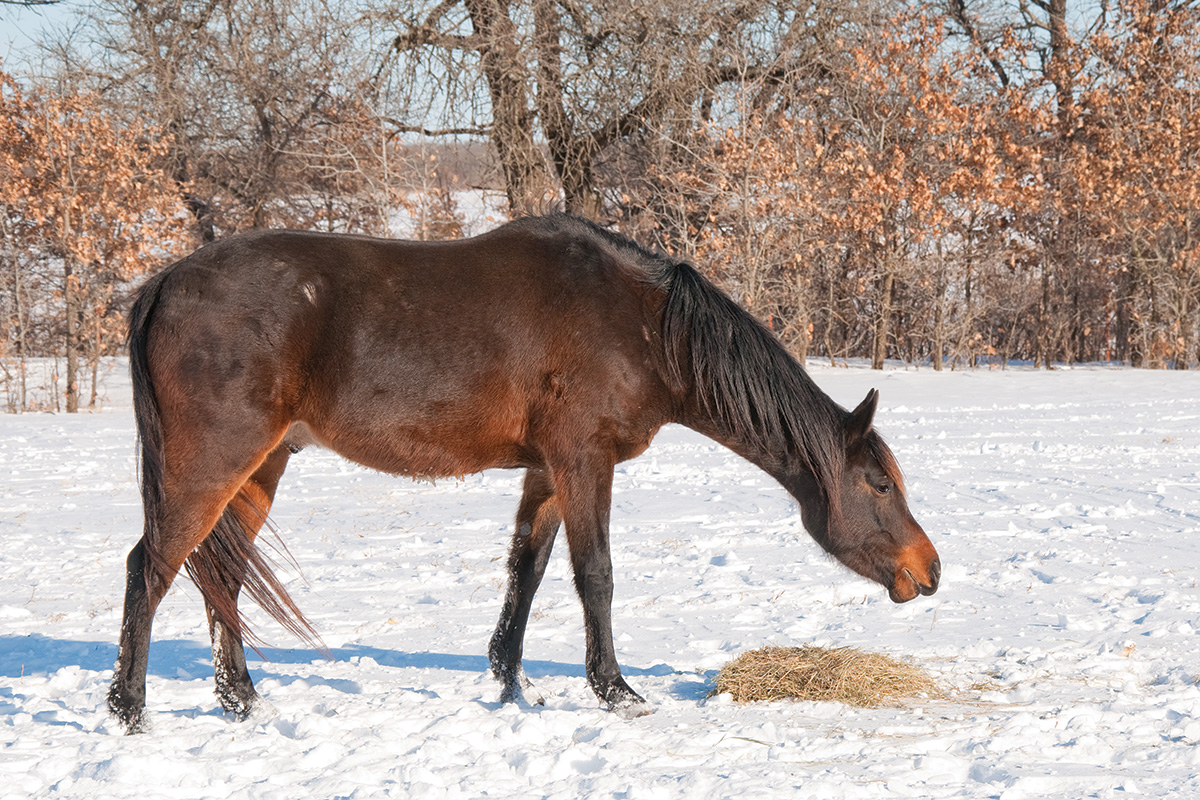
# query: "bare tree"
{"type": "Point", "coordinates": [260, 100]}
{"type": "Point", "coordinates": [582, 77]}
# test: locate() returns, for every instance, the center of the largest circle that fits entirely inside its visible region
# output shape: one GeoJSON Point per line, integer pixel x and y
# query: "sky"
{"type": "Point", "coordinates": [21, 27]}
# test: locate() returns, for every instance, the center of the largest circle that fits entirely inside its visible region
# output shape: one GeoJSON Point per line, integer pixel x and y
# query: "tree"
{"type": "Point", "coordinates": [582, 77]}
{"type": "Point", "coordinates": [861, 194]}
{"type": "Point", "coordinates": [980, 178]}
{"type": "Point", "coordinates": [261, 101]}
{"type": "Point", "coordinates": [85, 201]}
{"type": "Point", "coordinates": [17, 147]}
{"type": "Point", "coordinates": [1140, 156]}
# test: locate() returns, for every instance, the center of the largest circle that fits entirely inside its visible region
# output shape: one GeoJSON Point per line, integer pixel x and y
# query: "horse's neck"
{"type": "Point", "coordinates": [788, 470]}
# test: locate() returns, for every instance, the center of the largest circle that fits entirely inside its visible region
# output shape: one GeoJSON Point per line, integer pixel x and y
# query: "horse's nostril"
{"type": "Point", "coordinates": [935, 572]}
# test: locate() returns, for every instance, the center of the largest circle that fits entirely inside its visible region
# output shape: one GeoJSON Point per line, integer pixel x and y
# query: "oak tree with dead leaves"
{"type": "Point", "coordinates": [86, 212]}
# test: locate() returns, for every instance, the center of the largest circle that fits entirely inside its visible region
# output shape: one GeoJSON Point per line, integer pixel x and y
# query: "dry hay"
{"type": "Point", "coordinates": [844, 674]}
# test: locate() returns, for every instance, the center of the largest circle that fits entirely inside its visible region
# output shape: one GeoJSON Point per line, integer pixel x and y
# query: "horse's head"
{"type": "Point", "coordinates": [868, 526]}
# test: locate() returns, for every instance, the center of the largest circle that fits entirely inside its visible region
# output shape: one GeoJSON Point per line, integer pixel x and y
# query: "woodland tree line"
{"type": "Point", "coordinates": [953, 183]}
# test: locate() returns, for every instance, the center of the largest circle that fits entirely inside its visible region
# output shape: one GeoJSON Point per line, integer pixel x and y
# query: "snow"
{"type": "Point", "coordinates": [1064, 505]}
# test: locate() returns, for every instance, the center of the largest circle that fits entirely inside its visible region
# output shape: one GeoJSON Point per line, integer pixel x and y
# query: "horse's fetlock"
{"type": "Point", "coordinates": [130, 713]}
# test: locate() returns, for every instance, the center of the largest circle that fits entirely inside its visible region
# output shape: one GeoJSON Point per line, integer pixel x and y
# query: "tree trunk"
{"type": "Point", "coordinates": [1078, 338]}
{"type": "Point", "coordinates": [19, 308]}
{"type": "Point", "coordinates": [1124, 322]}
{"type": "Point", "coordinates": [1138, 289]}
{"type": "Point", "coordinates": [95, 357]}
{"type": "Point", "coordinates": [805, 338]}
{"type": "Point", "coordinates": [883, 319]}
{"type": "Point", "coordinates": [969, 317]}
{"type": "Point", "coordinates": [830, 317]}
{"type": "Point", "coordinates": [572, 157]}
{"type": "Point", "coordinates": [1059, 67]}
{"type": "Point", "coordinates": [1041, 352]}
{"type": "Point", "coordinates": [939, 314]}
{"type": "Point", "coordinates": [71, 301]}
{"type": "Point", "coordinates": [525, 180]}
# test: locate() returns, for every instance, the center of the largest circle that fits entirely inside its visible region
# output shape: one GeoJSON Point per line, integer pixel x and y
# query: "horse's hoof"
{"type": "Point", "coordinates": [533, 695]}
{"type": "Point", "coordinates": [510, 694]}
{"type": "Point", "coordinates": [250, 707]}
{"type": "Point", "coordinates": [632, 709]}
{"type": "Point", "coordinates": [626, 703]}
{"type": "Point", "coordinates": [522, 694]}
{"type": "Point", "coordinates": [133, 720]}
{"type": "Point", "coordinates": [259, 712]}
{"type": "Point", "coordinates": [134, 724]}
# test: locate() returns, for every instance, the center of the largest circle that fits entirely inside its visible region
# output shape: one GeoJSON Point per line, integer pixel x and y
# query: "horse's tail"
{"type": "Point", "coordinates": [148, 420]}
{"type": "Point", "coordinates": [227, 558]}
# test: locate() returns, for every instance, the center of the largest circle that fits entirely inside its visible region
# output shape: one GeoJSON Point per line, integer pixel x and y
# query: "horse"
{"type": "Point", "coordinates": [548, 344]}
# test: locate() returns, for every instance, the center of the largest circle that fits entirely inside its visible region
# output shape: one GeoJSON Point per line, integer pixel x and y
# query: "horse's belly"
{"type": "Point", "coordinates": [420, 448]}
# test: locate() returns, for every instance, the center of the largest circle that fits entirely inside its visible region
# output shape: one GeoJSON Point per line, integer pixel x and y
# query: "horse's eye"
{"type": "Point", "coordinates": [883, 488]}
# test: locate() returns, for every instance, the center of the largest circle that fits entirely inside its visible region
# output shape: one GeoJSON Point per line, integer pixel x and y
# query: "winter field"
{"type": "Point", "coordinates": [1065, 505]}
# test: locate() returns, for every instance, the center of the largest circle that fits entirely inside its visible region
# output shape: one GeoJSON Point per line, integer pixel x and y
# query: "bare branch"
{"type": "Point", "coordinates": [958, 13]}
{"type": "Point", "coordinates": [398, 127]}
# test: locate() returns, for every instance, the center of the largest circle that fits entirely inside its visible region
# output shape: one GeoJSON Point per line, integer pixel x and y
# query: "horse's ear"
{"type": "Point", "coordinates": [860, 420]}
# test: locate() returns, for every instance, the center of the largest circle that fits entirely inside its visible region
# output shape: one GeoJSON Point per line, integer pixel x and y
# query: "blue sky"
{"type": "Point", "coordinates": [20, 27]}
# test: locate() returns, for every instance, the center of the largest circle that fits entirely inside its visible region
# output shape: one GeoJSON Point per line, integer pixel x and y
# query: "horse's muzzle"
{"type": "Point", "coordinates": [918, 572]}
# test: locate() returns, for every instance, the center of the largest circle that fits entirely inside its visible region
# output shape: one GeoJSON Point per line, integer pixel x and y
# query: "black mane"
{"type": "Point", "coordinates": [747, 382]}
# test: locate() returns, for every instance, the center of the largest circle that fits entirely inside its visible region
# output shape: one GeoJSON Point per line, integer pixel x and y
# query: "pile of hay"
{"type": "Point", "coordinates": [845, 674]}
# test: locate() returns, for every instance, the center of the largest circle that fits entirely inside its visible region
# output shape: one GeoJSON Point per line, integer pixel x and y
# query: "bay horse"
{"type": "Point", "coordinates": [548, 344]}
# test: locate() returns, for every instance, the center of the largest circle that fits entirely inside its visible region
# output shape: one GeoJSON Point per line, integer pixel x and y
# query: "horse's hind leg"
{"type": "Point", "coordinates": [249, 510]}
{"type": "Point", "coordinates": [197, 485]}
{"type": "Point", "coordinates": [149, 573]}
{"type": "Point", "coordinates": [536, 526]}
{"type": "Point", "coordinates": [127, 695]}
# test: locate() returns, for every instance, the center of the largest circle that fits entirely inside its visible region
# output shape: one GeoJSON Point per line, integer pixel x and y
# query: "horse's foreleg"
{"type": "Point", "coordinates": [249, 507]}
{"type": "Point", "coordinates": [537, 524]}
{"type": "Point", "coordinates": [585, 502]}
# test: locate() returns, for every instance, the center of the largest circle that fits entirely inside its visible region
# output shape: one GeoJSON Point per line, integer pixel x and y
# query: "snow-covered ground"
{"type": "Point", "coordinates": [1065, 506]}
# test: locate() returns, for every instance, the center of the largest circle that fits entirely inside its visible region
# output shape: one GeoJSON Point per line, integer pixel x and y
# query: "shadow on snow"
{"type": "Point", "coordinates": [35, 654]}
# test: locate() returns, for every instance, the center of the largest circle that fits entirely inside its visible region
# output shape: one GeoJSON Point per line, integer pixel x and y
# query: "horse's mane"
{"type": "Point", "coordinates": [743, 377]}
{"type": "Point", "coordinates": [746, 380]}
